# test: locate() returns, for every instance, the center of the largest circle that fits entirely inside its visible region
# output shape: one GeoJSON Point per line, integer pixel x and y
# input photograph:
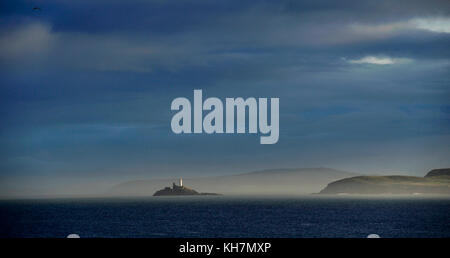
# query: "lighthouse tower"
{"type": "Point", "coordinates": [181, 181]}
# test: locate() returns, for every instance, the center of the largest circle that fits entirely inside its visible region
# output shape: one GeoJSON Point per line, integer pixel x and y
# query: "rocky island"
{"type": "Point", "coordinates": [436, 181]}
{"type": "Point", "coordinates": [179, 190]}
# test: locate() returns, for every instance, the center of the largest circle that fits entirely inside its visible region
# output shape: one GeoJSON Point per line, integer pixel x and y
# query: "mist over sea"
{"type": "Point", "coordinates": [227, 216]}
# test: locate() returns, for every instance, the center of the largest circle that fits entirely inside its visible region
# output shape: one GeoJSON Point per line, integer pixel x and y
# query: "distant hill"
{"type": "Point", "coordinates": [439, 172]}
{"type": "Point", "coordinates": [435, 182]}
{"type": "Point", "coordinates": [273, 181]}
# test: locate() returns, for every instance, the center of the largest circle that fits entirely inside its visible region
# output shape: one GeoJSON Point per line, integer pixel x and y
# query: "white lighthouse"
{"type": "Point", "coordinates": [181, 181]}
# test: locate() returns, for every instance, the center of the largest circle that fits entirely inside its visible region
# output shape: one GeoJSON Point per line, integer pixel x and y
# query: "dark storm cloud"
{"type": "Point", "coordinates": [191, 34]}
{"type": "Point", "coordinates": [86, 86]}
{"type": "Point", "coordinates": [166, 17]}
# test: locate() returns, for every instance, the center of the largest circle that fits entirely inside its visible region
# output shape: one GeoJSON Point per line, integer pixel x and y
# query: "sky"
{"type": "Point", "coordinates": [86, 87]}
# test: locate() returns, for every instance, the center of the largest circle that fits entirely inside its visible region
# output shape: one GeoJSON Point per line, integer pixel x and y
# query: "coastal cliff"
{"type": "Point", "coordinates": [436, 181]}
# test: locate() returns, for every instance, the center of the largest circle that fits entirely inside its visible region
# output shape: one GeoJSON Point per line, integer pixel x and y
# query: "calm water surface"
{"type": "Point", "coordinates": [221, 216]}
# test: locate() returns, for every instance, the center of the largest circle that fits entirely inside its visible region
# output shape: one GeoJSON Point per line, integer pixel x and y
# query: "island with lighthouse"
{"type": "Point", "coordinates": [177, 190]}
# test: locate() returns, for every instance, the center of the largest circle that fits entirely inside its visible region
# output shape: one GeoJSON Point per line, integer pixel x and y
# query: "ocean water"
{"type": "Point", "coordinates": [221, 216]}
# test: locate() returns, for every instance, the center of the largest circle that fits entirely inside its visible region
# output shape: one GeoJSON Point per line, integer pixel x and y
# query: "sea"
{"type": "Point", "coordinates": [227, 217]}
